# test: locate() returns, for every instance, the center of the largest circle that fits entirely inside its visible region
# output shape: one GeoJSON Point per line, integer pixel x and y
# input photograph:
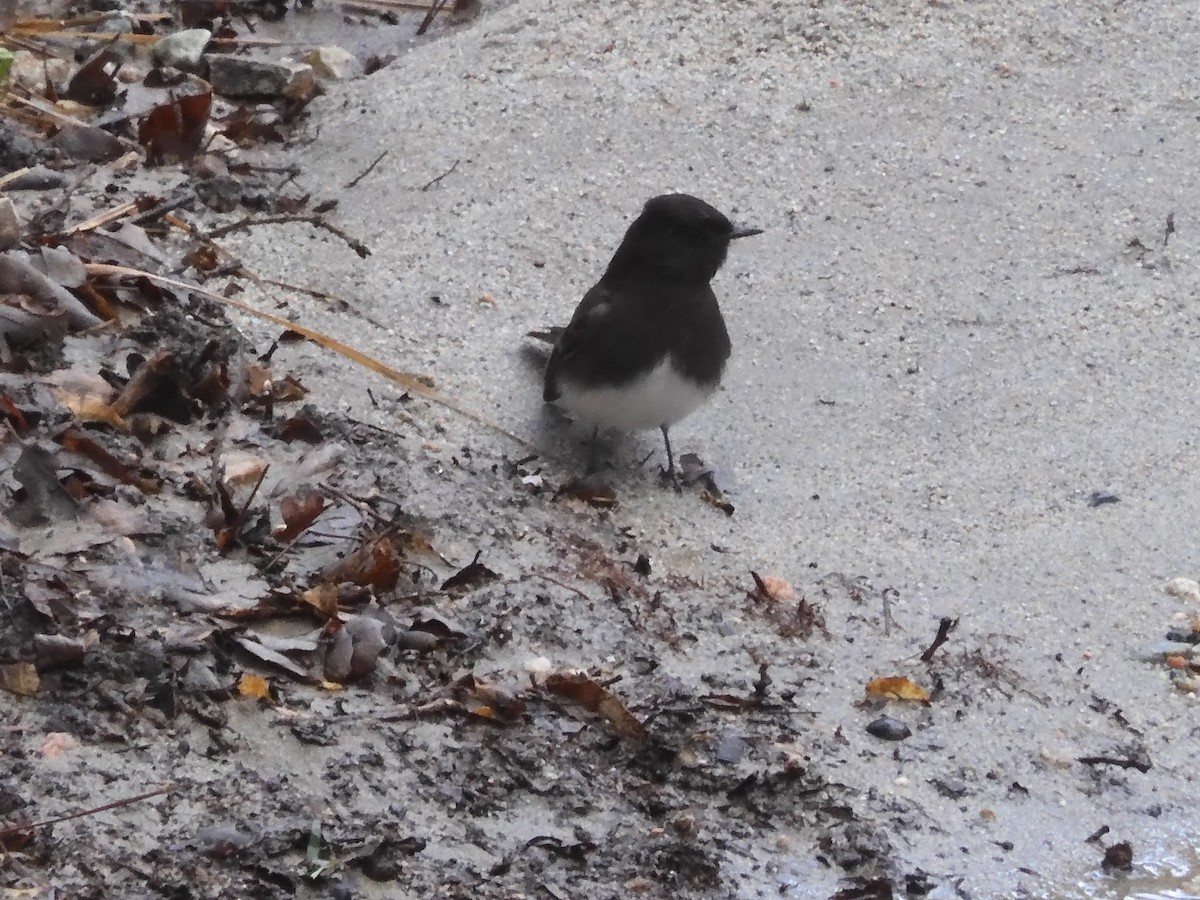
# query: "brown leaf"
{"type": "Point", "coordinates": [75, 440]}
{"type": "Point", "coordinates": [203, 258]}
{"type": "Point", "coordinates": [375, 564]}
{"type": "Point", "coordinates": [90, 408]}
{"type": "Point", "coordinates": [14, 416]}
{"type": "Point", "coordinates": [583, 691]}
{"type": "Point", "coordinates": [299, 428]}
{"type": "Point", "coordinates": [95, 83]}
{"type": "Point", "coordinates": [488, 701]}
{"type": "Point", "coordinates": [299, 511]}
{"type": "Point", "coordinates": [173, 132]}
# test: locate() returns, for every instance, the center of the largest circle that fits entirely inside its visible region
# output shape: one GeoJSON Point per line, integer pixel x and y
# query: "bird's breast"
{"type": "Point", "coordinates": [662, 396]}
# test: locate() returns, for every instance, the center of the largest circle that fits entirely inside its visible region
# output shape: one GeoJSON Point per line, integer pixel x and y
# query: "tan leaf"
{"type": "Point", "coordinates": [251, 685]}
{"type": "Point", "coordinates": [777, 590]}
{"type": "Point", "coordinates": [20, 678]}
{"type": "Point", "coordinates": [897, 688]}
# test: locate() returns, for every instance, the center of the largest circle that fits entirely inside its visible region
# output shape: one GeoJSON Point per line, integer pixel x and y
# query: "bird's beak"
{"type": "Point", "coordinates": [741, 231]}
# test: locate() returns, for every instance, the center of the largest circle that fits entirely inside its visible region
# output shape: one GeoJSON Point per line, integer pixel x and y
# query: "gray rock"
{"type": "Point", "coordinates": [235, 76]}
{"type": "Point", "coordinates": [182, 50]}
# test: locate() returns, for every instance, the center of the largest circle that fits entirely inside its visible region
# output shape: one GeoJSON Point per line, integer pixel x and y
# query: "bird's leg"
{"type": "Point", "coordinates": [593, 445]}
{"type": "Point", "coordinates": [670, 474]}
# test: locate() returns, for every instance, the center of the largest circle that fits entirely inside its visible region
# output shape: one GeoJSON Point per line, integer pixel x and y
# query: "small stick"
{"type": "Point", "coordinates": [428, 20]}
{"type": "Point", "coordinates": [945, 626]}
{"type": "Point", "coordinates": [17, 829]}
{"type": "Point", "coordinates": [367, 171]}
{"type": "Point", "coordinates": [434, 181]}
{"type": "Point", "coordinates": [319, 221]}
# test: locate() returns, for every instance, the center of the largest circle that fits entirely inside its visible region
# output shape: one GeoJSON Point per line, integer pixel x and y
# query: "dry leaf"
{"type": "Point", "coordinates": [90, 408]}
{"type": "Point", "coordinates": [586, 692]}
{"type": "Point", "coordinates": [299, 511]}
{"type": "Point", "coordinates": [323, 598]}
{"type": "Point", "coordinates": [897, 688]}
{"type": "Point", "coordinates": [375, 564]}
{"type": "Point", "coordinates": [20, 678]}
{"type": "Point", "coordinates": [774, 589]}
{"type": "Point", "coordinates": [243, 469]}
{"type": "Point", "coordinates": [251, 685]}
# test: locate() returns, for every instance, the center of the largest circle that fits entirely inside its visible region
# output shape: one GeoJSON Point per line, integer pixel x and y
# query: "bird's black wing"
{"type": "Point", "coordinates": [596, 337]}
{"type": "Point", "coordinates": [591, 309]}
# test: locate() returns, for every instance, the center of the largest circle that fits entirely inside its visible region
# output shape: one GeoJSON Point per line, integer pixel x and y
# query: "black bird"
{"type": "Point", "coordinates": [647, 345]}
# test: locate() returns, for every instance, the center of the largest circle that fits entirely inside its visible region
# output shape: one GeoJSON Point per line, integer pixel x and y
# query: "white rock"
{"type": "Point", "coordinates": [1184, 588]}
{"type": "Point", "coordinates": [333, 63]}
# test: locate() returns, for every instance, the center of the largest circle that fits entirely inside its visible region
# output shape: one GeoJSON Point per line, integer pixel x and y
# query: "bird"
{"type": "Point", "coordinates": [647, 344]}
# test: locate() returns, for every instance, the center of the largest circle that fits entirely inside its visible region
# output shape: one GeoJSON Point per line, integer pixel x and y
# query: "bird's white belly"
{"type": "Point", "coordinates": [660, 397]}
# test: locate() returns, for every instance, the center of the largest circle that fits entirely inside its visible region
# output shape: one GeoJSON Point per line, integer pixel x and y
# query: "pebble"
{"type": "Point", "coordinates": [333, 63]}
{"type": "Point", "coordinates": [182, 50]}
{"type": "Point", "coordinates": [889, 729]}
{"type": "Point", "coordinates": [1184, 588]}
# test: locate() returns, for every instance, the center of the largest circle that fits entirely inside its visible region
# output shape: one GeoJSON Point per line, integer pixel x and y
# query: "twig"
{"type": "Point", "coordinates": [553, 580]}
{"type": "Point", "coordinates": [10, 830]}
{"type": "Point", "coordinates": [888, 621]}
{"type": "Point", "coordinates": [319, 221]}
{"type": "Point", "coordinates": [945, 626]}
{"type": "Point", "coordinates": [434, 181]}
{"type": "Point", "coordinates": [428, 20]}
{"type": "Point", "coordinates": [165, 207]}
{"type": "Point", "coordinates": [367, 171]}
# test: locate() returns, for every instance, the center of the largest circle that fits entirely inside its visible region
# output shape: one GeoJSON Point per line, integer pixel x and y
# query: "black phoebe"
{"type": "Point", "coordinates": [647, 345]}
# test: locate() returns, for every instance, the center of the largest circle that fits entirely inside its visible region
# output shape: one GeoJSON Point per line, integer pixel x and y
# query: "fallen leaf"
{"type": "Point", "coordinates": [584, 691]}
{"type": "Point", "coordinates": [20, 678]}
{"type": "Point", "coordinates": [174, 131]}
{"type": "Point", "coordinates": [589, 490]}
{"type": "Point", "coordinates": [299, 511]}
{"type": "Point", "coordinates": [251, 685]}
{"type": "Point", "coordinates": [768, 587]}
{"type": "Point", "coordinates": [897, 688]}
{"type": "Point", "coordinates": [323, 598]}
{"type": "Point", "coordinates": [375, 564]}
{"type": "Point", "coordinates": [90, 408]}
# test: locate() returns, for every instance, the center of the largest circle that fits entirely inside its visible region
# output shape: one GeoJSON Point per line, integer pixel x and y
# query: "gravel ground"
{"type": "Point", "coordinates": [965, 328]}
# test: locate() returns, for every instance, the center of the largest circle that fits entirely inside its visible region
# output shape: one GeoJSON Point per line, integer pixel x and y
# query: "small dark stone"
{"type": "Point", "coordinates": [1099, 498]}
{"type": "Point", "coordinates": [642, 566]}
{"type": "Point", "coordinates": [888, 729]}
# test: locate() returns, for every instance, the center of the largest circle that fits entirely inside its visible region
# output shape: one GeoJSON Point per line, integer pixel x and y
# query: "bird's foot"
{"type": "Point", "coordinates": [670, 478]}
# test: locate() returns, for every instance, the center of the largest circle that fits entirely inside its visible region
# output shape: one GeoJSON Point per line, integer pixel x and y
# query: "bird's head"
{"type": "Point", "coordinates": [679, 236]}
